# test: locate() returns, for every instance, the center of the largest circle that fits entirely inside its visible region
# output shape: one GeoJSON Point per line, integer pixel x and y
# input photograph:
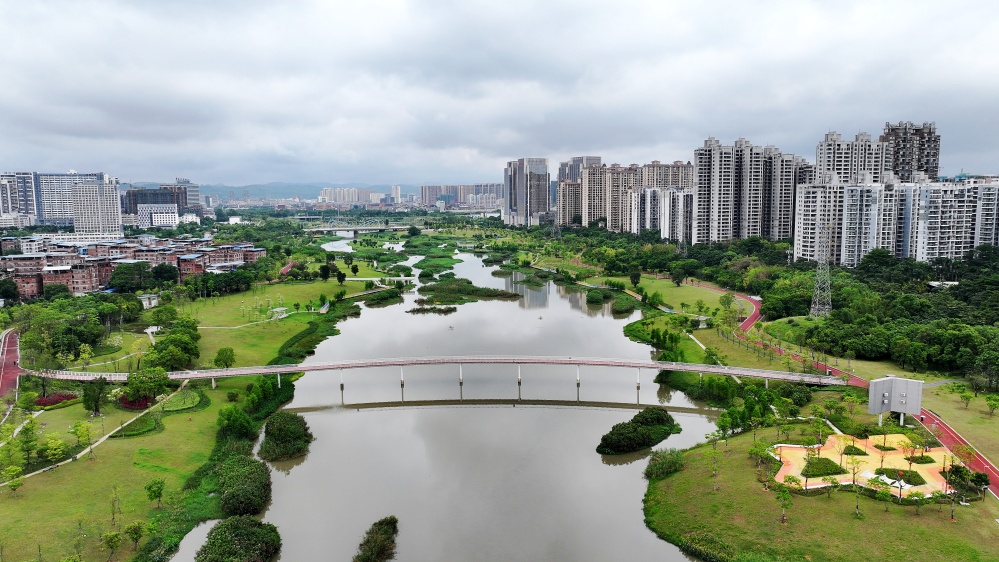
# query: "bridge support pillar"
{"type": "Point", "coordinates": [766, 383]}
{"type": "Point", "coordinates": [638, 379]}
{"type": "Point", "coordinates": [279, 380]}
{"type": "Point", "coordinates": [213, 383]}
{"type": "Point", "coordinates": [402, 377]}
{"type": "Point", "coordinates": [518, 375]}
{"type": "Point", "coordinates": [461, 376]}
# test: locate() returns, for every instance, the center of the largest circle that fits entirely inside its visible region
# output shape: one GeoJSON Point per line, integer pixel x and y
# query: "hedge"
{"type": "Point", "coordinates": [240, 539]}
{"type": "Point", "coordinates": [822, 466]}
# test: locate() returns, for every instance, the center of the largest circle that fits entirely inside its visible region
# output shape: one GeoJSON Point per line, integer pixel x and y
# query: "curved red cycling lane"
{"type": "Point", "coordinates": [9, 356]}
{"type": "Point", "coordinates": [946, 434]}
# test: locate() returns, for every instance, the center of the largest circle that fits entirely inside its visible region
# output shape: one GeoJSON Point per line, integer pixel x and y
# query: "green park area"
{"type": "Point", "coordinates": [683, 298]}
{"type": "Point", "coordinates": [71, 506]}
{"type": "Point", "coordinates": [364, 269]}
{"type": "Point", "coordinates": [736, 519]}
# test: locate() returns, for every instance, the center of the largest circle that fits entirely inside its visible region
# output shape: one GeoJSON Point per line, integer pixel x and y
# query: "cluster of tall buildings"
{"type": "Point", "coordinates": [858, 195]}
{"type": "Point", "coordinates": [91, 203]}
{"type": "Point", "coordinates": [475, 195]}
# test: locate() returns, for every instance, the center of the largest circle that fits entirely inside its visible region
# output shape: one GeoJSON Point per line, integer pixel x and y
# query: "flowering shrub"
{"type": "Point", "coordinates": [53, 399]}
{"type": "Point", "coordinates": [140, 403]}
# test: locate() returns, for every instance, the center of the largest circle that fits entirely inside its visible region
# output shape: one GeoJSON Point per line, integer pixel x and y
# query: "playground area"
{"type": "Point", "coordinates": [794, 458]}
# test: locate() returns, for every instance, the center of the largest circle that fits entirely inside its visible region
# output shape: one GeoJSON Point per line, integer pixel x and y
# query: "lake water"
{"type": "Point", "coordinates": [517, 479]}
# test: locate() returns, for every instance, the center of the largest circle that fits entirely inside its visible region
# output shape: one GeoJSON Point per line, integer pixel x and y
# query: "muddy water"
{"type": "Point", "coordinates": [510, 480]}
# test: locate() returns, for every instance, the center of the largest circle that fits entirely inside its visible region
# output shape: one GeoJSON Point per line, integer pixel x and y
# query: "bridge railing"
{"type": "Point", "coordinates": [457, 360]}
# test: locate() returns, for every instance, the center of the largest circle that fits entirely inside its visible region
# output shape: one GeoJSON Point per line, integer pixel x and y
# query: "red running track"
{"type": "Point", "coordinates": [9, 356]}
{"type": "Point", "coordinates": [948, 436]}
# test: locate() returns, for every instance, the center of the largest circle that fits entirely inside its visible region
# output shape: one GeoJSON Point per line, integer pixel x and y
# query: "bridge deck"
{"type": "Point", "coordinates": [465, 360]}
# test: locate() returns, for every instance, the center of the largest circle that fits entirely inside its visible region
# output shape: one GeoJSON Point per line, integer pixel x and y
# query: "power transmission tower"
{"type": "Point", "coordinates": [822, 295]}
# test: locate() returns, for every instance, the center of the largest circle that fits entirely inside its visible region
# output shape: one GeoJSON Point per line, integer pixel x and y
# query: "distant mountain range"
{"type": "Point", "coordinates": [282, 190]}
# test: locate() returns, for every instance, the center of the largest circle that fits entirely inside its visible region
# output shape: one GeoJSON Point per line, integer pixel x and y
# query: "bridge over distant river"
{"type": "Point", "coordinates": [403, 362]}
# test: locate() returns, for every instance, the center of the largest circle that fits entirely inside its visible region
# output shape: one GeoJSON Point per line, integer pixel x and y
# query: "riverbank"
{"type": "Point", "coordinates": [740, 521]}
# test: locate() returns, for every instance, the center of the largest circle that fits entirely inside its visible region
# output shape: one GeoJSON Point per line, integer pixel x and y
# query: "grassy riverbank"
{"type": "Point", "coordinates": [740, 521]}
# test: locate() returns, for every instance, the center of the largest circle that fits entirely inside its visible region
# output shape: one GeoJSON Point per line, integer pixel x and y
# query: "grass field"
{"type": "Point", "coordinates": [673, 296]}
{"type": "Point", "coordinates": [117, 361]}
{"type": "Point", "coordinates": [743, 518]}
{"type": "Point", "coordinates": [254, 345]}
{"type": "Point", "coordinates": [364, 269]}
{"type": "Point", "coordinates": [973, 422]}
{"type": "Point", "coordinates": [225, 311]}
{"type": "Point", "coordinates": [55, 508]}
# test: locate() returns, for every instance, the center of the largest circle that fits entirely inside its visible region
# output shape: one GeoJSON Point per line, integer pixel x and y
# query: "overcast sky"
{"type": "Point", "coordinates": [416, 92]}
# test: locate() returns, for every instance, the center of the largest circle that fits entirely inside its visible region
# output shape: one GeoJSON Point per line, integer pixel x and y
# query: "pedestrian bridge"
{"type": "Point", "coordinates": [403, 362]}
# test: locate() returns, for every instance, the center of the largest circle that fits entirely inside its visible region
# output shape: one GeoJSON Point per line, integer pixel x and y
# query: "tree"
{"type": "Point", "coordinates": [82, 432]}
{"type": "Point", "coordinates": [134, 531]}
{"type": "Point", "coordinates": [56, 291]}
{"type": "Point", "coordinates": [131, 277]}
{"type": "Point", "coordinates": [110, 541]}
{"type": "Point", "coordinates": [413, 231]}
{"type": "Point", "coordinates": [12, 475]}
{"type": "Point", "coordinates": [234, 421]}
{"type": "Point", "coordinates": [966, 397]}
{"type": "Point", "coordinates": [854, 464]}
{"type": "Point", "coordinates": [55, 448]}
{"type": "Point", "coordinates": [86, 355]}
{"type": "Point", "coordinates": [881, 491]}
{"type": "Point", "coordinates": [149, 382]}
{"type": "Point", "coordinates": [831, 484]}
{"type": "Point", "coordinates": [354, 269]}
{"type": "Point", "coordinates": [164, 274]}
{"type": "Point", "coordinates": [154, 490]}
{"type": "Point", "coordinates": [919, 499]}
{"type": "Point", "coordinates": [324, 272]}
{"type": "Point", "coordinates": [8, 289]}
{"type": "Point", "coordinates": [164, 315]}
{"type": "Point", "coordinates": [992, 401]}
{"type": "Point", "coordinates": [28, 437]}
{"type": "Point", "coordinates": [341, 277]}
{"type": "Point", "coordinates": [225, 358]}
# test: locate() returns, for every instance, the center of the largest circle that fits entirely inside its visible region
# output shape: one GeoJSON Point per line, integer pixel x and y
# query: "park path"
{"type": "Point", "coordinates": [948, 436]}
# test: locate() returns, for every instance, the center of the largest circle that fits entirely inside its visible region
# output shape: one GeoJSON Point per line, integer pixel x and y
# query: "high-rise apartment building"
{"type": "Point", "coordinates": [569, 202]}
{"type": "Point", "coordinates": [852, 161]}
{"type": "Point", "coordinates": [818, 215]}
{"type": "Point", "coordinates": [525, 191]}
{"type": "Point", "coordinates": [56, 194]}
{"type": "Point", "coordinates": [913, 148]}
{"type": "Point", "coordinates": [396, 194]}
{"type": "Point", "coordinates": [677, 174]}
{"type": "Point", "coordinates": [20, 195]}
{"type": "Point", "coordinates": [869, 220]}
{"type": "Point", "coordinates": [744, 190]}
{"type": "Point", "coordinates": [96, 209]}
{"type": "Point", "coordinates": [941, 222]}
{"type": "Point", "coordinates": [572, 169]}
{"type": "Point", "coordinates": [987, 212]}
{"type": "Point", "coordinates": [188, 194]}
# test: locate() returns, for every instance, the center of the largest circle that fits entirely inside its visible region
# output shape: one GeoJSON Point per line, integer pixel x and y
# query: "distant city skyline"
{"type": "Point", "coordinates": [414, 92]}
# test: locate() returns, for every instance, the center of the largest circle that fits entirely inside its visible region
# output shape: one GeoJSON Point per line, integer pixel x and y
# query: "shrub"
{"type": "Point", "coordinates": [663, 463]}
{"type": "Point", "coordinates": [884, 448]}
{"type": "Point", "coordinates": [640, 432]}
{"type": "Point", "coordinates": [53, 399]}
{"type": "Point", "coordinates": [910, 477]}
{"type": "Point", "coordinates": [851, 450]}
{"type": "Point", "coordinates": [378, 544]}
{"type": "Point", "coordinates": [594, 296]}
{"type": "Point", "coordinates": [921, 459]}
{"type": "Point", "coordinates": [140, 403]}
{"type": "Point", "coordinates": [286, 436]}
{"type": "Point", "coordinates": [240, 539]}
{"type": "Point", "coordinates": [246, 485]}
{"type": "Point", "coordinates": [819, 467]}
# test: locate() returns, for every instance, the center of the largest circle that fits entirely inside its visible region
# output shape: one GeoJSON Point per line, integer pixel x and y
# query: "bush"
{"type": "Point", "coordinates": [53, 399]}
{"type": "Point", "coordinates": [232, 396]}
{"type": "Point", "coordinates": [246, 485]}
{"type": "Point", "coordinates": [819, 467]}
{"type": "Point", "coordinates": [921, 459]}
{"type": "Point", "coordinates": [910, 477]}
{"type": "Point", "coordinates": [240, 539]}
{"type": "Point", "coordinates": [140, 403]}
{"type": "Point", "coordinates": [851, 450]}
{"type": "Point", "coordinates": [286, 436]}
{"type": "Point", "coordinates": [884, 448]}
{"type": "Point", "coordinates": [663, 463]}
{"type": "Point", "coordinates": [378, 544]}
{"type": "Point", "coordinates": [594, 296]}
{"type": "Point", "coordinates": [638, 433]}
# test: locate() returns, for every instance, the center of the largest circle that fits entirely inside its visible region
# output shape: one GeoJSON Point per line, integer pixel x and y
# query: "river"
{"type": "Point", "coordinates": [503, 481]}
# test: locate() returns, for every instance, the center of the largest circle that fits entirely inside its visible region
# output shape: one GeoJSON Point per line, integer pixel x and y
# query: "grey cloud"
{"type": "Point", "coordinates": [414, 91]}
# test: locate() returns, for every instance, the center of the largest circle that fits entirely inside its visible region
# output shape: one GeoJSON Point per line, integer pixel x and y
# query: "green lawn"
{"type": "Point", "coordinates": [364, 269]}
{"type": "Point", "coordinates": [52, 508]}
{"type": "Point", "coordinates": [743, 518]}
{"type": "Point", "coordinates": [225, 311]}
{"type": "Point", "coordinates": [973, 422]}
{"type": "Point", "coordinates": [253, 345]}
{"type": "Point", "coordinates": [673, 296]}
{"type": "Point", "coordinates": [117, 361]}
